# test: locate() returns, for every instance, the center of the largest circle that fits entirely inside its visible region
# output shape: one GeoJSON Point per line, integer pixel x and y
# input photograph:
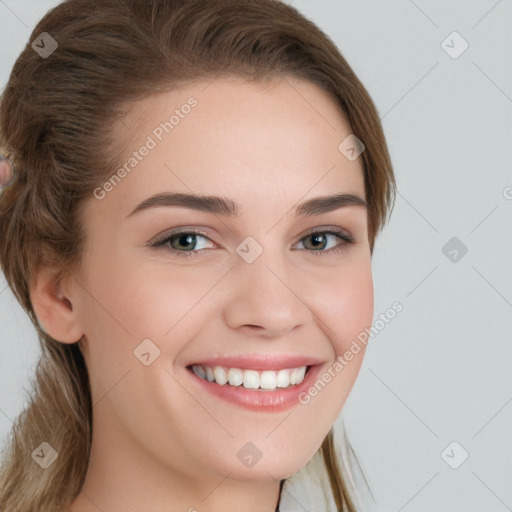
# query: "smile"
{"type": "Point", "coordinates": [251, 379]}
{"type": "Point", "coordinates": [256, 390]}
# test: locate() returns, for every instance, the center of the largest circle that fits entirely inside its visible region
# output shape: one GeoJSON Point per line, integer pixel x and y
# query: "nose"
{"type": "Point", "coordinates": [263, 297]}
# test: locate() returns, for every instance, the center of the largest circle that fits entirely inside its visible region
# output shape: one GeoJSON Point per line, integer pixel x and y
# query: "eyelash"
{"type": "Point", "coordinates": [347, 239]}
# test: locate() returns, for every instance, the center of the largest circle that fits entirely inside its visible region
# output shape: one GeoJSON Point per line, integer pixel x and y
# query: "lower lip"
{"type": "Point", "coordinates": [280, 399]}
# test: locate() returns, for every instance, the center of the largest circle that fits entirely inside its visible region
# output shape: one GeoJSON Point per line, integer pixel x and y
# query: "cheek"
{"type": "Point", "coordinates": [356, 306]}
{"type": "Point", "coordinates": [131, 301]}
{"type": "Point", "coordinates": [345, 311]}
{"type": "Point", "coordinates": [346, 303]}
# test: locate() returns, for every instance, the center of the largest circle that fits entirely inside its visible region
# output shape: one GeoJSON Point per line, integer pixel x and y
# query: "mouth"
{"type": "Point", "coordinates": [264, 380]}
{"type": "Point", "coordinates": [253, 389]}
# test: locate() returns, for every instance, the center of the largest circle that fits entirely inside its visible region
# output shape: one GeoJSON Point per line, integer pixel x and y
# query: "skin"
{"type": "Point", "coordinates": [5, 174]}
{"type": "Point", "coordinates": [158, 440]}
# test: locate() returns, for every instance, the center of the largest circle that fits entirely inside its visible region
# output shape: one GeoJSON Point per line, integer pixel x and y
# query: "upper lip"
{"type": "Point", "coordinates": [260, 361]}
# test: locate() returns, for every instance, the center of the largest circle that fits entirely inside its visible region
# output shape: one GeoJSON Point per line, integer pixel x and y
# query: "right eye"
{"type": "Point", "coordinates": [183, 238]}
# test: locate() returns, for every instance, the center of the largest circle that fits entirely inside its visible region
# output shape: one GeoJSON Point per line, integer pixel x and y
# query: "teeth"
{"type": "Point", "coordinates": [251, 379]}
{"type": "Point", "coordinates": [268, 380]}
{"type": "Point", "coordinates": [283, 379]}
{"type": "Point", "coordinates": [297, 375]}
{"type": "Point", "coordinates": [200, 371]}
{"type": "Point", "coordinates": [235, 377]}
{"type": "Point", "coordinates": [220, 375]}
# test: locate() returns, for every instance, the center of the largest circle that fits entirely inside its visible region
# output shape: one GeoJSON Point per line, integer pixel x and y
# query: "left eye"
{"type": "Point", "coordinates": [189, 238]}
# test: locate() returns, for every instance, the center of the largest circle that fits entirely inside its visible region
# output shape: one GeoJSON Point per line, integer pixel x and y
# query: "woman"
{"type": "Point", "coordinates": [199, 188]}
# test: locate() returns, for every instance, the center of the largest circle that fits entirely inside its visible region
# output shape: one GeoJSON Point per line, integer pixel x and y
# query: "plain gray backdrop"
{"type": "Point", "coordinates": [436, 382]}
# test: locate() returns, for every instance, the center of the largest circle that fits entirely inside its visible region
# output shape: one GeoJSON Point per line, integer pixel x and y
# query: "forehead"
{"type": "Point", "coordinates": [247, 140]}
{"type": "Point", "coordinates": [292, 94]}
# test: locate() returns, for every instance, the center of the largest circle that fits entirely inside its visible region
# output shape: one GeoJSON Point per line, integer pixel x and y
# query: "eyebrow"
{"type": "Point", "coordinates": [225, 206]}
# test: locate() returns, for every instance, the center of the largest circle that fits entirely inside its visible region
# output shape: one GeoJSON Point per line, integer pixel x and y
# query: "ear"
{"type": "Point", "coordinates": [54, 310]}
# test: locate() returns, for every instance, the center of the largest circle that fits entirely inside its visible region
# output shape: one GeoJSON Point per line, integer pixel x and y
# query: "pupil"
{"type": "Point", "coordinates": [316, 237]}
{"type": "Point", "coordinates": [188, 239]}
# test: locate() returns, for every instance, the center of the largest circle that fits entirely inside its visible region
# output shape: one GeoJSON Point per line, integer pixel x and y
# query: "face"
{"type": "Point", "coordinates": [258, 286]}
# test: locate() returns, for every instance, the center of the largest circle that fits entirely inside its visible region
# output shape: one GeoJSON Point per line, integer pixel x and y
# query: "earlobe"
{"type": "Point", "coordinates": [54, 310]}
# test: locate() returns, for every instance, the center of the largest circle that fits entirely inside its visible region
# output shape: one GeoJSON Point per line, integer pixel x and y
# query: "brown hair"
{"type": "Point", "coordinates": [55, 108]}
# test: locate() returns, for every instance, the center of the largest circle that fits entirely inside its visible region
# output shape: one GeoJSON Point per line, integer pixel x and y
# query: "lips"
{"type": "Point", "coordinates": [258, 400]}
{"type": "Point", "coordinates": [259, 362]}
